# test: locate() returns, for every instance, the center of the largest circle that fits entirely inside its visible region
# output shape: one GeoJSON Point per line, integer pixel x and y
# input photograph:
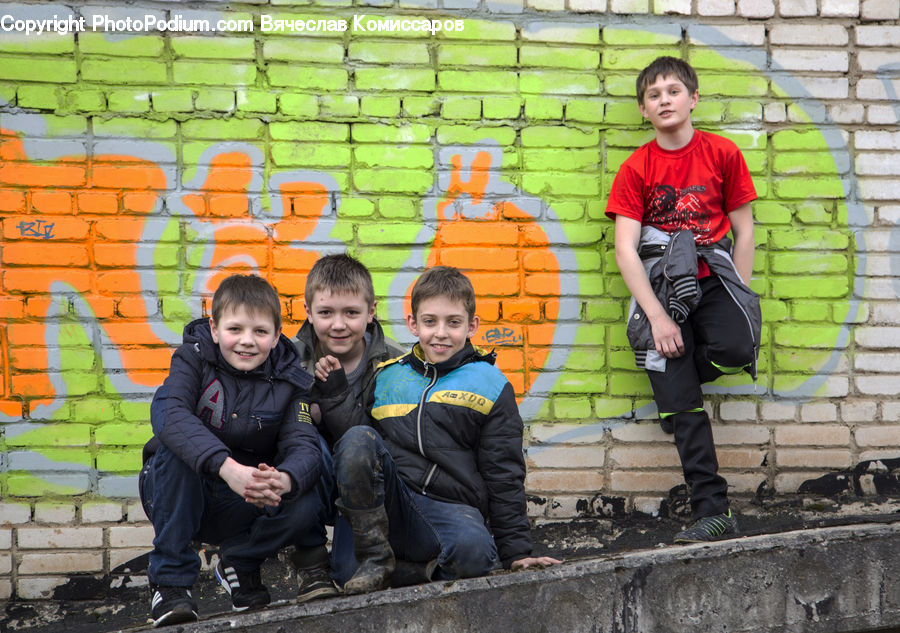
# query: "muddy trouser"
{"type": "Point", "coordinates": [716, 342]}
{"type": "Point", "coordinates": [421, 528]}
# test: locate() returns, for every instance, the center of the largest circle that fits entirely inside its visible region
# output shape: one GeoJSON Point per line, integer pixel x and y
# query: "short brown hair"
{"type": "Point", "coordinates": [251, 291]}
{"type": "Point", "coordinates": [339, 273]}
{"type": "Point", "coordinates": [665, 67]}
{"type": "Point", "coordinates": [443, 281]}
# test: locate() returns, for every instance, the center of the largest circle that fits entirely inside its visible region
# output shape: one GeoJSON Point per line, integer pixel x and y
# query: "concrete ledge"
{"type": "Point", "coordinates": [835, 580]}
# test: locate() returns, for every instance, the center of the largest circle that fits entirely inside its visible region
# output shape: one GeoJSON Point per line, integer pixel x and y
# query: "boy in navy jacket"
{"type": "Point", "coordinates": [235, 458]}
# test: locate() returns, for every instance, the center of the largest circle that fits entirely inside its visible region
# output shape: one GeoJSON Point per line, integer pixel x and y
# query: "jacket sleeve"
{"type": "Point", "coordinates": [180, 429]}
{"type": "Point", "coordinates": [299, 450]}
{"type": "Point", "coordinates": [502, 467]}
{"type": "Point", "coordinates": [339, 411]}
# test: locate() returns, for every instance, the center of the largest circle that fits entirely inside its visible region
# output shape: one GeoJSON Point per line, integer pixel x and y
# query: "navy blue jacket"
{"type": "Point", "coordinates": [213, 411]}
{"type": "Point", "coordinates": [455, 433]}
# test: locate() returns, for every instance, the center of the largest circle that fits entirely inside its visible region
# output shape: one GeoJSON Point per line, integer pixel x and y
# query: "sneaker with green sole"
{"type": "Point", "coordinates": [712, 528]}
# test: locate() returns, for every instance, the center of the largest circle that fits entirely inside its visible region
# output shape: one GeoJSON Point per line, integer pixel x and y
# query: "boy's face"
{"type": "Point", "coordinates": [442, 327]}
{"type": "Point", "coordinates": [244, 338]}
{"type": "Point", "coordinates": [668, 104]}
{"type": "Point", "coordinates": [340, 320]}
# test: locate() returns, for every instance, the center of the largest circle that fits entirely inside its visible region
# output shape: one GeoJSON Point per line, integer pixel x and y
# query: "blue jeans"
{"type": "Point", "coordinates": [185, 506]}
{"type": "Point", "coordinates": [421, 528]}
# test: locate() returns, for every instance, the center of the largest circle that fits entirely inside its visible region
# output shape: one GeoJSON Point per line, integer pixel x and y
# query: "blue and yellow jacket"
{"type": "Point", "coordinates": [455, 433]}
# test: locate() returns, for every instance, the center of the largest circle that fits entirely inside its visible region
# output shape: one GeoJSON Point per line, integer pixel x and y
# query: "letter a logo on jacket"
{"type": "Point", "coordinates": [212, 400]}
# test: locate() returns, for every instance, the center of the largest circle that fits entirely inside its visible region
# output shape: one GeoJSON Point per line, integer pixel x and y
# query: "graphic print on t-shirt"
{"type": "Point", "coordinates": [671, 209]}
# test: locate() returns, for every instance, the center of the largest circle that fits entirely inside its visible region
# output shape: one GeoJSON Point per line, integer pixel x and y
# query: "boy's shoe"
{"type": "Point", "coordinates": [711, 528]}
{"type": "Point", "coordinates": [245, 588]}
{"type": "Point", "coordinates": [313, 574]}
{"type": "Point", "coordinates": [172, 605]}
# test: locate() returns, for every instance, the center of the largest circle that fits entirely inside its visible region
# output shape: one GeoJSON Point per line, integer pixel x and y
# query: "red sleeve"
{"type": "Point", "coordinates": [627, 194]}
{"type": "Point", "coordinates": [738, 185]}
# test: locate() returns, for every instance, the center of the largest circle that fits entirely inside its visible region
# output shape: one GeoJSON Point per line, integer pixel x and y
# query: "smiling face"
{"type": "Point", "coordinates": [340, 320]}
{"type": "Point", "coordinates": [668, 103]}
{"type": "Point", "coordinates": [442, 327]}
{"type": "Point", "coordinates": [244, 338]}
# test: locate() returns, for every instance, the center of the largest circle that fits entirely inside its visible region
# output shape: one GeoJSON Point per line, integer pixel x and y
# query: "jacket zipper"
{"type": "Point", "coordinates": [419, 423]}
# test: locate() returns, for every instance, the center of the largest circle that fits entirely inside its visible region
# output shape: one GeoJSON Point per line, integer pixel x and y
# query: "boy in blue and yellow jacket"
{"type": "Point", "coordinates": [439, 481]}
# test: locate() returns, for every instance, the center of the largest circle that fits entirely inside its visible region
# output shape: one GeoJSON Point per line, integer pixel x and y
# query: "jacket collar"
{"type": "Point", "coordinates": [307, 339]}
{"type": "Point", "coordinates": [468, 354]}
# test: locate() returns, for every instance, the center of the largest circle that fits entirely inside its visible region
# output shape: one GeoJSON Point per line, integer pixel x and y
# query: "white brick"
{"type": "Point", "coordinates": [744, 483]}
{"type": "Point", "coordinates": [588, 6]}
{"type": "Point", "coordinates": [60, 563]}
{"type": "Point", "coordinates": [797, 8]}
{"type": "Point", "coordinates": [723, 435]}
{"type": "Point", "coordinates": [774, 113]}
{"type": "Point", "coordinates": [821, 88]}
{"type": "Point", "coordinates": [878, 337]}
{"type": "Point", "coordinates": [888, 214]}
{"type": "Point", "coordinates": [54, 513]}
{"type": "Point", "coordinates": [739, 411]}
{"type": "Point", "coordinates": [858, 411]}
{"type": "Point", "coordinates": [648, 431]}
{"type": "Point", "coordinates": [847, 112]}
{"type": "Point", "coordinates": [806, 59]}
{"type": "Point", "coordinates": [812, 435]}
{"type": "Point", "coordinates": [840, 8]}
{"type": "Point", "coordinates": [39, 588]}
{"type": "Point", "coordinates": [715, 7]}
{"type": "Point", "coordinates": [629, 6]}
{"type": "Point", "coordinates": [787, 482]}
{"type": "Point", "coordinates": [680, 7]}
{"type": "Point", "coordinates": [884, 453]}
{"type": "Point", "coordinates": [648, 505]}
{"type": "Point", "coordinates": [876, 89]}
{"type": "Point", "coordinates": [644, 457]}
{"type": "Point", "coordinates": [546, 5]}
{"type": "Point", "coordinates": [119, 557]}
{"type": "Point", "coordinates": [878, 436]}
{"type": "Point", "coordinates": [879, 363]}
{"type": "Point", "coordinates": [881, 114]}
{"type": "Point", "coordinates": [778, 411]}
{"type": "Point", "coordinates": [835, 387]}
{"type": "Point", "coordinates": [561, 507]}
{"type": "Point", "coordinates": [812, 458]}
{"type": "Point", "coordinates": [878, 385]}
{"type": "Point", "coordinates": [813, 34]}
{"type": "Point", "coordinates": [101, 512]}
{"type": "Point", "coordinates": [5, 589]}
{"type": "Point", "coordinates": [878, 35]}
{"type": "Point", "coordinates": [131, 536]}
{"type": "Point", "coordinates": [871, 61]}
{"type": "Point", "coordinates": [565, 457]}
{"type": "Point", "coordinates": [877, 164]}
{"type": "Point", "coordinates": [880, 10]}
{"type": "Point", "coordinates": [886, 312]}
{"type": "Point", "coordinates": [5, 564]}
{"type": "Point", "coordinates": [879, 289]}
{"type": "Point", "coordinates": [722, 35]}
{"type": "Point", "coordinates": [135, 512]}
{"type": "Point", "coordinates": [14, 513]}
{"type": "Point", "coordinates": [45, 538]}
{"type": "Point", "coordinates": [568, 433]}
{"type": "Point", "coordinates": [5, 539]}
{"type": "Point", "coordinates": [756, 8]}
{"type": "Point", "coordinates": [890, 411]}
{"type": "Point", "coordinates": [818, 412]}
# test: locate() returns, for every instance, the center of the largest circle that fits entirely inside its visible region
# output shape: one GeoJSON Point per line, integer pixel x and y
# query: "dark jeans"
{"type": "Point", "coordinates": [715, 335]}
{"type": "Point", "coordinates": [184, 506]}
{"type": "Point", "coordinates": [421, 528]}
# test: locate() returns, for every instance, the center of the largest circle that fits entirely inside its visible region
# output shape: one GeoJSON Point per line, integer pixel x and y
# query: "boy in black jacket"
{"type": "Point", "coordinates": [237, 459]}
{"type": "Point", "coordinates": [342, 333]}
{"type": "Point", "coordinates": [441, 482]}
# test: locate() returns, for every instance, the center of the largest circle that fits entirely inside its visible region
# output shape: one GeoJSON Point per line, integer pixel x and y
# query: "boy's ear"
{"type": "Point", "coordinates": [473, 326]}
{"type": "Point", "coordinates": [411, 324]}
{"type": "Point", "coordinates": [306, 307]}
{"type": "Point", "coordinates": [372, 311]}
{"type": "Point", "coordinates": [694, 99]}
{"type": "Point", "coordinates": [212, 328]}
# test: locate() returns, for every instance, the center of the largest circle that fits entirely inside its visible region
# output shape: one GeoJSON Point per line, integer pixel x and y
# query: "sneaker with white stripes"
{"type": "Point", "coordinates": [245, 588]}
{"type": "Point", "coordinates": [172, 605]}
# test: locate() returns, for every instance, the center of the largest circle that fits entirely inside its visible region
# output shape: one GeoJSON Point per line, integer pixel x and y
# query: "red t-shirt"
{"type": "Point", "coordinates": [694, 187]}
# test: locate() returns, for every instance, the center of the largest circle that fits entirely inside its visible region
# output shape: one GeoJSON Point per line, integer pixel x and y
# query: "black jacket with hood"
{"type": "Point", "coordinates": [213, 411]}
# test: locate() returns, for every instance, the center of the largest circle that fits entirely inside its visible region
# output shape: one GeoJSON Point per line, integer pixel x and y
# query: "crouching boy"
{"type": "Point", "coordinates": [439, 481]}
{"type": "Point", "coordinates": [235, 459]}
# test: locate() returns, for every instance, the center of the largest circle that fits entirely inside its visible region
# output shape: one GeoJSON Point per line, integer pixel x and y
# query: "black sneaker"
{"type": "Point", "coordinates": [313, 574]}
{"type": "Point", "coordinates": [172, 605]}
{"type": "Point", "coordinates": [245, 588]}
{"type": "Point", "coordinates": [712, 528]}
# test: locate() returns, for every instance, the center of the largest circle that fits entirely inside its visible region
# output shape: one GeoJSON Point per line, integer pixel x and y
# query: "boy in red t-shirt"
{"type": "Point", "coordinates": [687, 180]}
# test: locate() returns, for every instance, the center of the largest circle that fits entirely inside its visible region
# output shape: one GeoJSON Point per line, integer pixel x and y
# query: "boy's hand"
{"type": "Point", "coordinates": [539, 562]}
{"type": "Point", "coordinates": [269, 486]}
{"type": "Point", "coordinates": [325, 366]}
{"type": "Point", "coordinates": [667, 336]}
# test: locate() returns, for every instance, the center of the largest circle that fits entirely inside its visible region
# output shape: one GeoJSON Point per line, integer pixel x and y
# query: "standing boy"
{"type": "Point", "coordinates": [343, 335]}
{"type": "Point", "coordinates": [439, 481]}
{"type": "Point", "coordinates": [235, 456]}
{"type": "Point", "coordinates": [693, 318]}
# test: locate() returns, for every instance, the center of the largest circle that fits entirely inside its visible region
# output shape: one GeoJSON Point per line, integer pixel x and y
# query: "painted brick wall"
{"type": "Point", "coordinates": [138, 168]}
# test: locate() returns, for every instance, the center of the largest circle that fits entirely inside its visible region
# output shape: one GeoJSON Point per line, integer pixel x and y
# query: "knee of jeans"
{"type": "Point", "coordinates": [355, 453]}
{"type": "Point", "coordinates": [737, 353]}
{"type": "Point", "coordinates": [471, 555]}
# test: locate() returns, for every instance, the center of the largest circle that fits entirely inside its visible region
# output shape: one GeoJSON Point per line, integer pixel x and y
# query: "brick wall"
{"type": "Point", "coordinates": [138, 168]}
